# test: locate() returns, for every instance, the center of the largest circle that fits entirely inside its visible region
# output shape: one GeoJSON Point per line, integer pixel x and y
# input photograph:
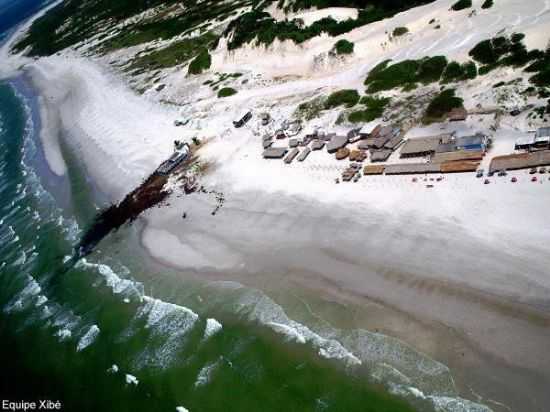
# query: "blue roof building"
{"type": "Point", "coordinates": [477, 142]}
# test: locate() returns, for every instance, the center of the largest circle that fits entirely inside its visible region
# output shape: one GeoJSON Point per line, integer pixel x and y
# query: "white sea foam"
{"type": "Point", "coordinates": [212, 327]}
{"type": "Point", "coordinates": [289, 332]}
{"type": "Point", "coordinates": [22, 299]}
{"type": "Point", "coordinates": [113, 369]}
{"type": "Point", "coordinates": [40, 300]}
{"type": "Point", "coordinates": [131, 380]}
{"type": "Point", "coordinates": [88, 338]}
{"type": "Point", "coordinates": [63, 334]}
{"type": "Point", "coordinates": [205, 374]}
{"type": "Point", "coordinates": [169, 325]}
{"type": "Point", "coordinates": [257, 307]}
{"type": "Point", "coordinates": [117, 284]}
{"type": "Point", "coordinates": [21, 259]}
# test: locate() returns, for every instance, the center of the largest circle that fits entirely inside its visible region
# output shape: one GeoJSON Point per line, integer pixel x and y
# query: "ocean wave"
{"type": "Point", "coordinates": [22, 300]}
{"type": "Point", "coordinates": [205, 374]}
{"type": "Point", "coordinates": [439, 403]}
{"type": "Point", "coordinates": [169, 325]}
{"type": "Point", "coordinates": [390, 361]}
{"type": "Point", "coordinates": [131, 380]}
{"type": "Point", "coordinates": [212, 327]}
{"type": "Point", "coordinates": [256, 307]}
{"type": "Point", "coordinates": [88, 338]}
{"type": "Point", "coordinates": [377, 349]}
{"type": "Point", "coordinates": [118, 285]}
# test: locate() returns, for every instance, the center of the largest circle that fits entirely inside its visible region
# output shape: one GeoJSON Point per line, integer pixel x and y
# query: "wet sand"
{"type": "Point", "coordinates": [481, 308]}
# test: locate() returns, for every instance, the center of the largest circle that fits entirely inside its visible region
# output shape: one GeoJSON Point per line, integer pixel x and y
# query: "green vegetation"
{"type": "Point", "coordinates": [400, 31]}
{"type": "Point", "coordinates": [405, 74]}
{"type": "Point", "coordinates": [455, 72]}
{"type": "Point", "coordinates": [487, 4]}
{"type": "Point", "coordinates": [260, 26]}
{"type": "Point", "coordinates": [374, 109]}
{"type": "Point", "coordinates": [226, 92]}
{"type": "Point", "coordinates": [346, 97]}
{"type": "Point", "coordinates": [343, 47]}
{"type": "Point", "coordinates": [200, 63]}
{"type": "Point", "coordinates": [441, 105]}
{"type": "Point", "coordinates": [502, 51]}
{"type": "Point", "coordinates": [461, 5]}
{"type": "Point", "coordinates": [310, 110]}
{"type": "Point", "coordinates": [73, 21]}
{"type": "Point", "coordinates": [177, 53]}
{"type": "Point", "coordinates": [541, 67]}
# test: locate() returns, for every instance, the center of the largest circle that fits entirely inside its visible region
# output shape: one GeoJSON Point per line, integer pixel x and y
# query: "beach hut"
{"type": "Point", "coordinates": [342, 153]}
{"type": "Point", "coordinates": [369, 130]}
{"type": "Point", "coordinates": [373, 169]}
{"type": "Point", "coordinates": [336, 142]}
{"type": "Point", "coordinates": [357, 155]}
{"type": "Point", "coordinates": [274, 152]}
{"type": "Point", "coordinates": [542, 139]}
{"type": "Point", "coordinates": [317, 145]}
{"type": "Point", "coordinates": [412, 168]}
{"type": "Point", "coordinates": [291, 155]}
{"type": "Point", "coordinates": [460, 155]}
{"type": "Point", "coordinates": [380, 155]}
{"type": "Point", "coordinates": [476, 142]}
{"type": "Point", "coordinates": [354, 135]}
{"type": "Point", "coordinates": [420, 147]}
{"type": "Point", "coordinates": [305, 153]}
{"type": "Point", "coordinates": [458, 114]}
{"type": "Point", "coordinates": [525, 143]}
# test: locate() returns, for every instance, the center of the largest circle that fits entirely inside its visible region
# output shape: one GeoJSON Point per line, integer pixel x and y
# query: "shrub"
{"type": "Point", "coordinates": [455, 72]}
{"type": "Point", "coordinates": [431, 69]}
{"type": "Point", "coordinates": [390, 77]}
{"type": "Point", "coordinates": [484, 52]}
{"type": "Point", "coordinates": [310, 110]}
{"type": "Point", "coordinates": [347, 97]}
{"type": "Point", "coordinates": [226, 92]}
{"type": "Point", "coordinates": [461, 4]}
{"type": "Point", "coordinates": [442, 104]}
{"type": "Point", "coordinates": [374, 110]}
{"type": "Point", "coordinates": [200, 63]}
{"type": "Point", "coordinates": [487, 4]}
{"type": "Point", "coordinates": [542, 79]}
{"type": "Point", "coordinates": [405, 74]}
{"type": "Point", "coordinates": [343, 47]}
{"type": "Point", "coordinates": [260, 26]}
{"type": "Point", "coordinates": [400, 31]}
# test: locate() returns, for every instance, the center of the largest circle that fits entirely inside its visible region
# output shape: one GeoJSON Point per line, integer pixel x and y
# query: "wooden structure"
{"type": "Point", "coordinates": [274, 152]}
{"type": "Point", "coordinates": [458, 155]}
{"type": "Point", "coordinates": [420, 147]}
{"type": "Point", "coordinates": [374, 169]}
{"type": "Point", "coordinates": [336, 143]}
{"type": "Point", "coordinates": [412, 168]}
{"type": "Point", "coordinates": [342, 153]}
{"type": "Point", "coordinates": [380, 155]}
{"type": "Point", "coordinates": [291, 155]}
{"type": "Point", "coordinates": [520, 161]}
{"type": "Point", "coordinates": [459, 166]}
{"type": "Point", "coordinates": [317, 145]}
{"type": "Point", "coordinates": [305, 153]}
